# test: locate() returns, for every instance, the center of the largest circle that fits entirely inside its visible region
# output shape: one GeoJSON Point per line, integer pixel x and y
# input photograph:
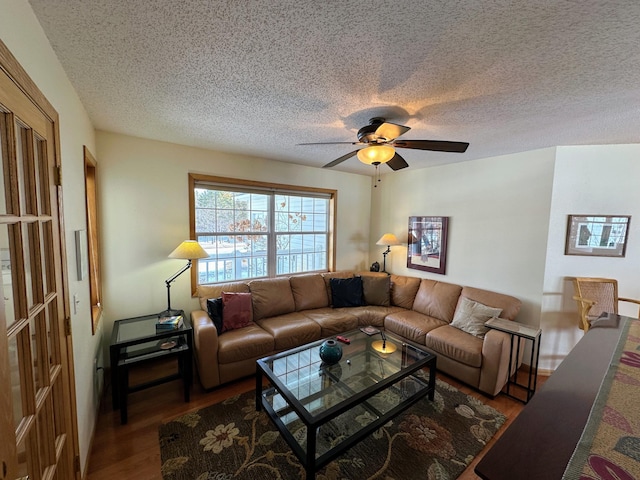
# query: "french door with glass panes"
{"type": "Point", "coordinates": [37, 400]}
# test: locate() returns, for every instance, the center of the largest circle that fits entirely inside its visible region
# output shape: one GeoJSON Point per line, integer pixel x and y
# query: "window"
{"type": "Point", "coordinates": [95, 285]}
{"type": "Point", "coordinates": [256, 230]}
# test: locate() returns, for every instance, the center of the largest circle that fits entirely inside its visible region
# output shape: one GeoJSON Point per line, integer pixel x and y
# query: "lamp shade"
{"type": "Point", "coordinates": [388, 239]}
{"type": "Point", "coordinates": [189, 250]}
{"type": "Point", "coordinates": [376, 154]}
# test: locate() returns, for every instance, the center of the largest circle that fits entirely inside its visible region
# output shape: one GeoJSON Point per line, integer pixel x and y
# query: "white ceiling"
{"type": "Point", "coordinates": [260, 76]}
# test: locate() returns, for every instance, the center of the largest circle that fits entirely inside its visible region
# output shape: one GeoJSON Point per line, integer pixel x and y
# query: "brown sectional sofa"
{"type": "Point", "coordinates": [292, 311]}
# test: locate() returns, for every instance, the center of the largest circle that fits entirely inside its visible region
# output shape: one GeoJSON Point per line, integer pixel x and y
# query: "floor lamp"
{"type": "Point", "coordinates": [388, 239]}
{"type": "Point", "coordinates": [187, 250]}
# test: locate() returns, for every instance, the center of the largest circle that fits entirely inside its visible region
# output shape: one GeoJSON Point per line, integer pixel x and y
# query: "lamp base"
{"type": "Point", "coordinates": [169, 313]}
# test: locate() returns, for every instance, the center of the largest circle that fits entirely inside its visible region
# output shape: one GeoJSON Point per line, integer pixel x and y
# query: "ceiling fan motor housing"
{"type": "Point", "coordinates": [367, 134]}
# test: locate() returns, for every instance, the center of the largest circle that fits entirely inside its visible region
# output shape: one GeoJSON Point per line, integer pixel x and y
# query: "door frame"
{"type": "Point", "coordinates": [12, 68]}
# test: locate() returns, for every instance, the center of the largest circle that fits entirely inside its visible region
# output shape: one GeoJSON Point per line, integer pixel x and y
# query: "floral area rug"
{"type": "Point", "coordinates": [434, 440]}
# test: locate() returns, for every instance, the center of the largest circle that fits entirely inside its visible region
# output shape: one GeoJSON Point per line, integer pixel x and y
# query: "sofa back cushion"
{"type": "Point", "coordinates": [510, 305]}
{"type": "Point", "coordinates": [271, 297]}
{"type": "Point", "coordinates": [309, 292]}
{"type": "Point", "coordinates": [403, 290]}
{"type": "Point", "coordinates": [206, 292]}
{"type": "Point", "coordinates": [437, 299]}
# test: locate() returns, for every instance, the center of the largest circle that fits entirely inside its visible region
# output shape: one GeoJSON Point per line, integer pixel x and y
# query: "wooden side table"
{"type": "Point", "coordinates": [135, 341]}
{"type": "Point", "coordinates": [520, 331]}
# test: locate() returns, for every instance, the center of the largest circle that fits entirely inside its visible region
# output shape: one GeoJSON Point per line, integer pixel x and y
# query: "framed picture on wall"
{"type": "Point", "coordinates": [427, 244]}
{"type": "Point", "coordinates": [597, 235]}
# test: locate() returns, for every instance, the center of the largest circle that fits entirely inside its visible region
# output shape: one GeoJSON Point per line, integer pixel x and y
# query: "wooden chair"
{"type": "Point", "coordinates": [596, 296]}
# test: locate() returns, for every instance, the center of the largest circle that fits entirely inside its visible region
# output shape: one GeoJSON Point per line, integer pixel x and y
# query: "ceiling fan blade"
{"type": "Point", "coordinates": [340, 160]}
{"type": "Point", "coordinates": [391, 131]}
{"type": "Point", "coordinates": [434, 145]}
{"type": "Point", "coordinates": [397, 163]}
{"type": "Point", "coordinates": [330, 143]}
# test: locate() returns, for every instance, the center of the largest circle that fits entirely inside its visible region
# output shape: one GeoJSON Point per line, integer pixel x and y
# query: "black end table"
{"type": "Point", "coordinates": [520, 331]}
{"type": "Point", "coordinates": [135, 341]}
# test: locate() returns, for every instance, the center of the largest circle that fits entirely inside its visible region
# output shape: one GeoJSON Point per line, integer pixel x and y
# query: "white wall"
{"type": "Point", "coordinates": [499, 210]}
{"type": "Point", "coordinates": [588, 180]}
{"type": "Point", "coordinates": [143, 195]}
{"type": "Point", "coordinates": [22, 34]}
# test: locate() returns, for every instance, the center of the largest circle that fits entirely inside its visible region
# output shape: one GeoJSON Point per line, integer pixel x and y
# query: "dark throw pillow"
{"type": "Point", "coordinates": [214, 308]}
{"type": "Point", "coordinates": [346, 292]}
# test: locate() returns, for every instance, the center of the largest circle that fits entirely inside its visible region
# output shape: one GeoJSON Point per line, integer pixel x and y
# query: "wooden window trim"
{"type": "Point", "coordinates": [333, 206]}
{"type": "Point", "coordinates": [93, 245]}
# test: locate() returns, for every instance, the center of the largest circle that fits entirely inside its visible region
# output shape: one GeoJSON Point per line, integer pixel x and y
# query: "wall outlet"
{"type": "Point", "coordinates": [98, 380]}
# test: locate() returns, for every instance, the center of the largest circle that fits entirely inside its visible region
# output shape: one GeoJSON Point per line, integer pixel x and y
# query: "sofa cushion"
{"type": "Point", "coordinates": [290, 330]}
{"type": "Point", "coordinates": [236, 310]}
{"type": "Point", "coordinates": [214, 309]}
{"type": "Point", "coordinates": [332, 321]}
{"type": "Point", "coordinates": [309, 292]}
{"type": "Point", "coordinates": [271, 297]}
{"type": "Point", "coordinates": [437, 299]}
{"type": "Point", "coordinates": [455, 344]}
{"type": "Point", "coordinates": [371, 314]}
{"type": "Point", "coordinates": [376, 290]}
{"type": "Point", "coordinates": [471, 316]}
{"type": "Point", "coordinates": [346, 292]}
{"type": "Point", "coordinates": [411, 324]}
{"type": "Point", "coordinates": [327, 280]}
{"type": "Point", "coordinates": [214, 291]}
{"type": "Point", "coordinates": [403, 290]}
{"type": "Point", "coordinates": [243, 343]}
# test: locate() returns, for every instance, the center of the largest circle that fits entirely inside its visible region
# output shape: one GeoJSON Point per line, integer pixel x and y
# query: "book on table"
{"type": "Point", "coordinates": [370, 330]}
{"type": "Point", "coordinates": [169, 323]}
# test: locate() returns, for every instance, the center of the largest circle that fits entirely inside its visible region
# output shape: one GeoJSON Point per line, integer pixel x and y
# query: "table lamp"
{"type": "Point", "coordinates": [187, 250]}
{"type": "Point", "coordinates": [388, 239]}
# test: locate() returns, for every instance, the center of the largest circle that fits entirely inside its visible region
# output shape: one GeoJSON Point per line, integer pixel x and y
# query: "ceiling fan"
{"type": "Point", "coordinates": [379, 140]}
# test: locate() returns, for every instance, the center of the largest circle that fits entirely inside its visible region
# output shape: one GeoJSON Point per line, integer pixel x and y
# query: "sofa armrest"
{"type": "Point", "coordinates": [205, 339]}
{"type": "Point", "coordinates": [496, 349]}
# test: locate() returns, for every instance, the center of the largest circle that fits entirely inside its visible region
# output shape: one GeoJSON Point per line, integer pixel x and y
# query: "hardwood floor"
{"type": "Point", "coordinates": [132, 451]}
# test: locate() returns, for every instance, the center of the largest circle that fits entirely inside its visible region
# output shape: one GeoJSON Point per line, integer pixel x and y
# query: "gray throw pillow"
{"type": "Point", "coordinates": [471, 316]}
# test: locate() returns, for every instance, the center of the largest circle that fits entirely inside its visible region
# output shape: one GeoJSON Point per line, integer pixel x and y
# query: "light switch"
{"type": "Point", "coordinates": [75, 303]}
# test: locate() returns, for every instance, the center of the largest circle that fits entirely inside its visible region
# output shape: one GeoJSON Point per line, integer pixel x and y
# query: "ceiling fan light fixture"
{"type": "Point", "coordinates": [376, 154]}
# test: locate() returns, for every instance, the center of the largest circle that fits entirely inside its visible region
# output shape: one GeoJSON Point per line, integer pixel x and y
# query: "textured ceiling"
{"type": "Point", "coordinates": [260, 76]}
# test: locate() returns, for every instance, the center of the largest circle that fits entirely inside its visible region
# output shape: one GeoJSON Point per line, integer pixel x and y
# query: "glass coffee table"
{"type": "Point", "coordinates": [323, 410]}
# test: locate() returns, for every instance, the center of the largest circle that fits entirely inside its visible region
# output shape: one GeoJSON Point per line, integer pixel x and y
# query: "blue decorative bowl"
{"type": "Point", "coordinates": [330, 351]}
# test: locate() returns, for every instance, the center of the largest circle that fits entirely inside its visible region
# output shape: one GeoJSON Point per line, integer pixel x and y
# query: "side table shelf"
{"type": "Point", "coordinates": [520, 331]}
{"type": "Point", "coordinates": [135, 341]}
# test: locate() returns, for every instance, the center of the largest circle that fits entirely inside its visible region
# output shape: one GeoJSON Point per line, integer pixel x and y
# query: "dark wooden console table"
{"type": "Point", "coordinates": [539, 443]}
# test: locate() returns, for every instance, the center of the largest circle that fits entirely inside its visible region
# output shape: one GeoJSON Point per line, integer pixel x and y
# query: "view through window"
{"type": "Point", "coordinates": [260, 230]}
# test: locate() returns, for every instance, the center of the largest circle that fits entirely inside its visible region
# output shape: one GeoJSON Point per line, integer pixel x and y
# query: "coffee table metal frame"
{"type": "Point", "coordinates": [412, 357]}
